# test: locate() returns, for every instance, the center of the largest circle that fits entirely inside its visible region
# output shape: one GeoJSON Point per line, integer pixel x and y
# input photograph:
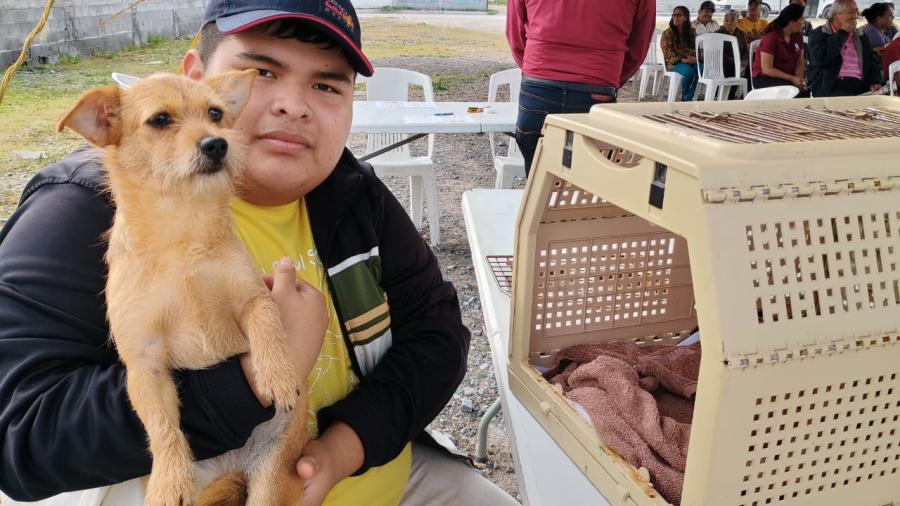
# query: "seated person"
{"type": "Point", "coordinates": [752, 24]}
{"type": "Point", "coordinates": [677, 45]}
{"type": "Point", "coordinates": [890, 54]}
{"type": "Point", "coordinates": [880, 17]}
{"type": "Point", "coordinates": [729, 27]}
{"type": "Point", "coordinates": [779, 58]}
{"type": "Point", "coordinates": [841, 59]}
{"type": "Point", "coordinates": [704, 22]}
{"type": "Point", "coordinates": [807, 26]}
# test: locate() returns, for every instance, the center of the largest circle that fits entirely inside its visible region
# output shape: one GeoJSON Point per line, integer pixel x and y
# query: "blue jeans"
{"type": "Point", "coordinates": [538, 98]}
{"type": "Point", "coordinates": [688, 80]}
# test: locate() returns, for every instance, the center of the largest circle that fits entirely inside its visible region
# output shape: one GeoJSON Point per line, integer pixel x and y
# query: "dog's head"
{"type": "Point", "coordinates": [167, 130]}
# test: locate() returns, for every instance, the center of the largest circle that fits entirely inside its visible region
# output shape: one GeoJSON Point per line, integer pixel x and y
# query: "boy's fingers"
{"type": "Point", "coordinates": [268, 280]}
{"type": "Point", "coordinates": [283, 274]}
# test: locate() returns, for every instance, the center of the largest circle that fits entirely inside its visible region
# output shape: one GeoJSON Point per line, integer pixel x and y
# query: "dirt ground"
{"type": "Point", "coordinates": [463, 162]}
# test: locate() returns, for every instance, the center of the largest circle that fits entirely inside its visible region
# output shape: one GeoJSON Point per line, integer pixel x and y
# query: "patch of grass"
{"type": "Point", "coordinates": [491, 12]}
{"type": "Point", "coordinates": [389, 38]}
{"type": "Point", "coordinates": [391, 8]}
{"type": "Point", "coordinates": [447, 82]}
{"type": "Point", "coordinates": [69, 59]}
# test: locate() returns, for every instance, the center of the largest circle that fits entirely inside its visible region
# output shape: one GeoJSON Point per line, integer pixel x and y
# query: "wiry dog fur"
{"type": "Point", "coordinates": [182, 292]}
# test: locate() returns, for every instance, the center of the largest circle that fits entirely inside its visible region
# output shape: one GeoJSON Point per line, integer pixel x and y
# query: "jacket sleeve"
{"type": "Point", "coordinates": [426, 360]}
{"type": "Point", "coordinates": [65, 419]}
{"type": "Point", "coordinates": [515, 29]}
{"type": "Point", "coordinates": [639, 40]}
{"type": "Point", "coordinates": [875, 73]}
{"type": "Point", "coordinates": [825, 49]}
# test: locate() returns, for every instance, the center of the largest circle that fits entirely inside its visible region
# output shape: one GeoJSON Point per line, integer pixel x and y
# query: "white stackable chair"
{"type": "Point", "coordinates": [773, 93]}
{"type": "Point", "coordinates": [653, 66]}
{"type": "Point", "coordinates": [512, 164]}
{"type": "Point", "coordinates": [392, 84]}
{"type": "Point", "coordinates": [712, 46]}
{"type": "Point", "coordinates": [753, 46]}
{"type": "Point", "coordinates": [673, 88]}
{"type": "Point", "coordinates": [893, 69]}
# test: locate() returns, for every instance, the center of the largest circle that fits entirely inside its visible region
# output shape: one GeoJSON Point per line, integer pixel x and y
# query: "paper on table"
{"type": "Point", "coordinates": [387, 104]}
{"type": "Point", "coordinates": [429, 119]}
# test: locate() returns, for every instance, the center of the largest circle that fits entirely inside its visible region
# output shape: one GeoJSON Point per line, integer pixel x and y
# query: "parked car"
{"type": "Point", "coordinates": [814, 8]}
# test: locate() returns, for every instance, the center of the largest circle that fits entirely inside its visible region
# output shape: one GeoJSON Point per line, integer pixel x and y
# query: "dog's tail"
{"type": "Point", "coordinates": [227, 490]}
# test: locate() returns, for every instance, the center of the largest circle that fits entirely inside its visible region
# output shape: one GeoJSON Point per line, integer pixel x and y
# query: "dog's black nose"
{"type": "Point", "coordinates": [214, 147]}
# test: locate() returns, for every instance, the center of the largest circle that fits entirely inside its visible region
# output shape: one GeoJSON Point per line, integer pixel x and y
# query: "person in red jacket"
{"type": "Point", "coordinates": [890, 54]}
{"type": "Point", "coordinates": [573, 55]}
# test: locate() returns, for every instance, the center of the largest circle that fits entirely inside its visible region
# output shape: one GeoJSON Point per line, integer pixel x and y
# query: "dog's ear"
{"type": "Point", "coordinates": [234, 88]}
{"type": "Point", "coordinates": [96, 116]}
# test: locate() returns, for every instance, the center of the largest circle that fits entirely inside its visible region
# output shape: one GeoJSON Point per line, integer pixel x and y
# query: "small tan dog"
{"type": "Point", "coordinates": [182, 292]}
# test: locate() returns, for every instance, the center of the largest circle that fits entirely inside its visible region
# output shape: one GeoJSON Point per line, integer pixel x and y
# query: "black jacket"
{"type": "Point", "coordinates": [65, 419]}
{"type": "Point", "coordinates": [825, 59]}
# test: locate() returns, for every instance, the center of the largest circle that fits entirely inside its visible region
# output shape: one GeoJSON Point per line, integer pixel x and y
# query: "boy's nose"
{"type": "Point", "coordinates": [214, 147]}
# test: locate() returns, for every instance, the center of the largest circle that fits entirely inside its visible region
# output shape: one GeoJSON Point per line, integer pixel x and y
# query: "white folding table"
{"type": "Point", "coordinates": [545, 473]}
{"type": "Point", "coordinates": [419, 119]}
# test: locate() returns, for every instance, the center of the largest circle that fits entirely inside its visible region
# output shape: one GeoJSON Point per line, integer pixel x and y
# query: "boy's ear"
{"type": "Point", "coordinates": [96, 116]}
{"type": "Point", "coordinates": [234, 88]}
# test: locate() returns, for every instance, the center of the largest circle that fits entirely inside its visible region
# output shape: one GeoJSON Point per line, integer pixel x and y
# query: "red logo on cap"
{"type": "Point", "coordinates": [339, 12]}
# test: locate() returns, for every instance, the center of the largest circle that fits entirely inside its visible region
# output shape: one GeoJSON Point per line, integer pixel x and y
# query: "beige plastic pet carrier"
{"type": "Point", "coordinates": [773, 226]}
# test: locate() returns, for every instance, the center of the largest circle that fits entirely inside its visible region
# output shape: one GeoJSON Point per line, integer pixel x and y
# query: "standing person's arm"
{"type": "Point", "coordinates": [65, 419]}
{"type": "Point", "coordinates": [516, 17]}
{"type": "Point", "coordinates": [639, 39]}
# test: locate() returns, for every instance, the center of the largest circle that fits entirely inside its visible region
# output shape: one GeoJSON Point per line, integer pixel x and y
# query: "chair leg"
{"type": "Point", "coordinates": [645, 74]}
{"type": "Point", "coordinates": [434, 213]}
{"type": "Point", "coordinates": [657, 82]}
{"type": "Point", "coordinates": [415, 200]}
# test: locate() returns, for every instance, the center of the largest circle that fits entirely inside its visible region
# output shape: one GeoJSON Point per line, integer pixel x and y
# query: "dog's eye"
{"type": "Point", "coordinates": [215, 114]}
{"type": "Point", "coordinates": [160, 120]}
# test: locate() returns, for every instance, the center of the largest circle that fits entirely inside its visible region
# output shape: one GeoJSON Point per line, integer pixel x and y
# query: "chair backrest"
{"type": "Point", "coordinates": [773, 93]}
{"type": "Point", "coordinates": [712, 45]}
{"type": "Point", "coordinates": [390, 84]}
{"type": "Point", "coordinates": [893, 69]}
{"type": "Point", "coordinates": [753, 46]}
{"type": "Point", "coordinates": [512, 78]}
{"type": "Point", "coordinates": [654, 56]}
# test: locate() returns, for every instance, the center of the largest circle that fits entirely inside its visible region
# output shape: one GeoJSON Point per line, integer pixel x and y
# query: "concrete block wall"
{"type": "Point", "coordinates": [78, 27]}
{"type": "Point", "coordinates": [448, 5]}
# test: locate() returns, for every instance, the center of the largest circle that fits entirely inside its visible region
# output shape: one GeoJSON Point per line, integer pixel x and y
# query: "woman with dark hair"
{"type": "Point", "coordinates": [880, 17]}
{"type": "Point", "coordinates": [677, 45]}
{"type": "Point", "coordinates": [779, 59]}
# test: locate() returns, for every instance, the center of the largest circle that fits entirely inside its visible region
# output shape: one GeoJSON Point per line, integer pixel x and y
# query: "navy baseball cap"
{"type": "Point", "coordinates": [337, 17]}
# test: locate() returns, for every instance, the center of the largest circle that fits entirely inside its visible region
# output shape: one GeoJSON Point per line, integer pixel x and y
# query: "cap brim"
{"type": "Point", "coordinates": [244, 20]}
{"type": "Point", "coordinates": [124, 80]}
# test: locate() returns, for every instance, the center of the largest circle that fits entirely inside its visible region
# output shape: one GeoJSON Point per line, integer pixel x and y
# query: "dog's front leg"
{"type": "Point", "coordinates": [273, 367]}
{"type": "Point", "coordinates": [154, 396]}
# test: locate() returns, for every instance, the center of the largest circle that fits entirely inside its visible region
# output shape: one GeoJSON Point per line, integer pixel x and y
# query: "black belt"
{"type": "Point", "coordinates": [609, 91]}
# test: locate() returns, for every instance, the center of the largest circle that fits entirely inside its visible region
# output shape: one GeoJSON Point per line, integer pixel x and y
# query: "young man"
{"type": "Point", "coordinates": [394, 350]}
{"type": "Point", "coordinates": [573, 55]}
{"type": "Point", "coordinates": [752, 24]}
{"type": "Point", "coordinates": [704, 22]}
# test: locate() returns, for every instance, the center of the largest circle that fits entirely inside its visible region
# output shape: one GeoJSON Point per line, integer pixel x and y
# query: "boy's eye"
{"type": "Point", "coordinates": [160, 120]}
{"type": "Point", "coordinates": [325, 87]}
{"type": "Point", "coordinates": [215, 114]}
{"type": "Point", "coordinates": [265, 72]}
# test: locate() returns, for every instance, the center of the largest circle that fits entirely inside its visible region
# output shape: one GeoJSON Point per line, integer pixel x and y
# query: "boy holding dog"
{"type": "Point", "coordinates": [343, 255]}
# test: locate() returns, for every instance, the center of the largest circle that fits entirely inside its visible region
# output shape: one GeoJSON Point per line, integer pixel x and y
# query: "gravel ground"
{"type": "Point", "coordinates": [463, 162]}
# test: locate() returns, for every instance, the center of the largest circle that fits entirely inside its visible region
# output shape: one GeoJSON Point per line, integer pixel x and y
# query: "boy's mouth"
{"type": "Point", "coordinates": [286, 142]}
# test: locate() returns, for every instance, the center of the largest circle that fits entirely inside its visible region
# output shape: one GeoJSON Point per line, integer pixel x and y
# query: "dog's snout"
{"type": "Point", "coordinates": [214, 147]}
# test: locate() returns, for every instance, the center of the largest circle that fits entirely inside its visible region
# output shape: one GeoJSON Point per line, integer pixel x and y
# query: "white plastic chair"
{"type": "Point", "coordinates": [773, 93]}
{"type": "Point", "coordinates": [512, 164]}
{"type": "Point", "coordinates": [673, 88]}
{"type": "Point", "coordinates": [392, 84]}
{"type": "Point", "coordinates": [753, 46]}
{"type": "Point", "coordinates": [653, 66]}
{"type": "Point", "coordinates": [893, 69]}
{"type": "Point", "coordinates": [712, 72]}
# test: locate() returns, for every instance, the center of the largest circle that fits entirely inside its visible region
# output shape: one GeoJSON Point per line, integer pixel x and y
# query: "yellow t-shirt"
{"type": "Point", "coordinates": [270, 233]}
{"type": "Point", "coordinates": [752, 29]}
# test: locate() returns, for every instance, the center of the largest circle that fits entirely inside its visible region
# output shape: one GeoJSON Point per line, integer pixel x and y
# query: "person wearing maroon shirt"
{"type": "Point", "coordinates": [573, 55]}
{"type": "Point", "coordinates": [890, 54]}
{"type": "Point", "coordinates": [779, 59]}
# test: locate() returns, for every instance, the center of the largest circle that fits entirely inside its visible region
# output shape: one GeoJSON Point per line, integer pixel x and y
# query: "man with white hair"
{"type": "Point", "coordinates": [841, 59]}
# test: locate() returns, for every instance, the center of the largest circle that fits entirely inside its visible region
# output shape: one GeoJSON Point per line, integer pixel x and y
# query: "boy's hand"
{"type": "Point", "coordinates": [326, 461]}
{"type": "Point", "coordinates": [304, 317]}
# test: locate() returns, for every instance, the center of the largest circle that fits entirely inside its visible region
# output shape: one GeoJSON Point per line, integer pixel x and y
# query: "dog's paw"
{"type": "Point", "coordinates": [169, 487]}
{"type": "Point", "coordinates": [277, 379]}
